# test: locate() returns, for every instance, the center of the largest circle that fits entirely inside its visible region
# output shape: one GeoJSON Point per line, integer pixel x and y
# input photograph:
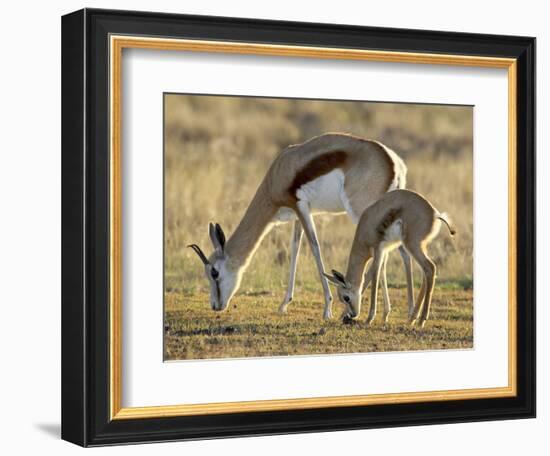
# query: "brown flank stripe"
{"type": "Point", "coordinates": [317, 167]}
{"type": "Point", "coordinates": [390, 217]}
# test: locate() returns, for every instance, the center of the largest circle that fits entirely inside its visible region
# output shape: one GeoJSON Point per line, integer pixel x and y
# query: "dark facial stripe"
{"type": "Point", "coordinates": [317, 167]}
{"type": "Point", "coordinates": [218, 293]}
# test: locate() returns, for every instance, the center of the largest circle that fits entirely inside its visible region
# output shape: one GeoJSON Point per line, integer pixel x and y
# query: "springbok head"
{"type": "Point", "coordinates": [348, 296]}
{"type": "Point", "coordinates": [223, 281]}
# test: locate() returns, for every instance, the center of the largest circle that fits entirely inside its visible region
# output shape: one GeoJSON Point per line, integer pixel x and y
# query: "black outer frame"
{"type": "Point", "coordinates": [85, 227]}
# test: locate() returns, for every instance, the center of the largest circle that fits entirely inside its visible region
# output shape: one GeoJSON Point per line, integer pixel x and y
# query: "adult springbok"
{"type": "Point", "coordinates": [332, 173]}
{"type": "Point", "coordinates": [400, 218]}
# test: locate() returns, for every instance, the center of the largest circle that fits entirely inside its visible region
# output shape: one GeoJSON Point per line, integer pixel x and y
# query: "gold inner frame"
{"type": "Point", "coordinates": [117, 44]}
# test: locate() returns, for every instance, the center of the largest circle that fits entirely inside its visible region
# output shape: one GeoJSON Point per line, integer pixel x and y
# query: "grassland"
{"type": "Point", "coordinates": [252, 327]}
{"type": "Point", "coordinates": [217, 150]}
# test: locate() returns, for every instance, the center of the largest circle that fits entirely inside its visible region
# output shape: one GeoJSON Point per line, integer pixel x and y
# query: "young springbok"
{"type": "Point", "coordinates": [401, 218]}
{"type": "Point", "coordinates": [332, 173]}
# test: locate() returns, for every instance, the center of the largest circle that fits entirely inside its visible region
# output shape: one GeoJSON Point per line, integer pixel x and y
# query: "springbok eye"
{"type": "Point", "coordinates": [214, 273]}
{"type": "Point", "coordinates": [346, 298]}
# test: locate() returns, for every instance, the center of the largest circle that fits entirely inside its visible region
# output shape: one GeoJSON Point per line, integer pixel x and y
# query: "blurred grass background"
{"type": "Point", "coordinates": [218, 148]}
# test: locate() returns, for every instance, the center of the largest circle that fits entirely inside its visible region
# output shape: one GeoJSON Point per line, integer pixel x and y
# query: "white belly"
{"type": "Point", "coordinates": [325, 194]}
{"type": "Point", "coordinates": [393, 236]}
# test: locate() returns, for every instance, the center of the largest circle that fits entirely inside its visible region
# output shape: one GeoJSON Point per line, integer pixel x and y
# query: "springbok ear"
{"type": "Point", "coordinates": [339, 276]}
{"type": "Point", "coordinates": [220, 235]}
{"type": "Point", "coordinates": [341, 279]}
{"type": "Point", "coordinates": [216, 236]}
{"type": "Point", "coordinates": [333, 280]}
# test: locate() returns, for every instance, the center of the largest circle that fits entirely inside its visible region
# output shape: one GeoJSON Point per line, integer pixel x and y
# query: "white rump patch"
{"type": "Point", "coordinates": [399, 170]}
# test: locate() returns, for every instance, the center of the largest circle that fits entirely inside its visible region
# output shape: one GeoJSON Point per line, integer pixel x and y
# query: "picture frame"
{"type": "Point", "coordinates": [92, 45]}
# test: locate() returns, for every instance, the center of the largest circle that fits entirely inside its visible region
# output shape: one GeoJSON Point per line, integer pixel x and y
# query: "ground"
{"type": "Point", "coordinates": [217, 151]}
{"type": "Point", "coordinates": [252, 326]}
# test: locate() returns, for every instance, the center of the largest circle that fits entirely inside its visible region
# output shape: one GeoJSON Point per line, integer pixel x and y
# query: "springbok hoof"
{"type": "Point", "coordinates": [327, 315]}
{"type": "Point", "coordinates": [283, 308]}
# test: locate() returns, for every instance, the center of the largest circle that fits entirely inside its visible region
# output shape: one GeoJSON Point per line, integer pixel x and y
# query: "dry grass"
{"type": "Point", "coordinates": [217, 150]}
{"type": "Point", "coordinates": [252, 327]}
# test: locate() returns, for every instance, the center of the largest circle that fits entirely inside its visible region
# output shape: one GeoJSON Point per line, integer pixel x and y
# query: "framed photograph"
{"type": "Point", "coordinates": [278, 227]}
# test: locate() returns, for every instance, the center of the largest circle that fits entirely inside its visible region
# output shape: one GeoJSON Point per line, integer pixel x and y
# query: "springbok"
{"type": "Point", "coordinates": [401, 218]}
{"type": "Point", "coordinates": [333, 173]}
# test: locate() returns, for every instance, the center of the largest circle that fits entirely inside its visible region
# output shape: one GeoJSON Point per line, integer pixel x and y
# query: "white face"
{"type": "Point", "coordinates": [349, 296]}
{"type": "Point", "coordinates": [351, 300]}
{"type": "Point", "coordinates": [223, 282]}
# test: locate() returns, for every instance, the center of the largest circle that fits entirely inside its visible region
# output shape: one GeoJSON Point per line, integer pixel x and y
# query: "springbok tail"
{"type": "Point", "coordinates": [444, 217]}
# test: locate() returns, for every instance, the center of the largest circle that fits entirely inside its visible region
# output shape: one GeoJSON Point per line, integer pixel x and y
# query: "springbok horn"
{"type": "Point", "coordinates": [200, 253]}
